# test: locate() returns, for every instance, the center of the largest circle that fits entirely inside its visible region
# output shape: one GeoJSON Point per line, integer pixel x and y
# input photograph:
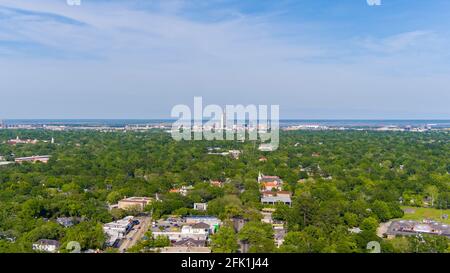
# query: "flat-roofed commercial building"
{"type": "Point", "coordinates": [134, 203]}
{"type": "Point", "coordinates": [33, 159]}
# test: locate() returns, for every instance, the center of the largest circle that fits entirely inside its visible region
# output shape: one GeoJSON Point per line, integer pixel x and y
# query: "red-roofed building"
{"type": "Point", "coordinates": [268, 183]}
{"type": "Point", "coordinates": [216, 183]}
{"type": "Point", "coordinates": [276, 193]}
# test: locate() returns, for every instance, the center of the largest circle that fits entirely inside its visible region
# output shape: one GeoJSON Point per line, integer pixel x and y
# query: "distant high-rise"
{"type": "Point", "coordinates": [223, 121]}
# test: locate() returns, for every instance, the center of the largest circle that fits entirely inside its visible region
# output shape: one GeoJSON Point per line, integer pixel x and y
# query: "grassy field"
{"type": "Point", "coordinates": [426, 213]}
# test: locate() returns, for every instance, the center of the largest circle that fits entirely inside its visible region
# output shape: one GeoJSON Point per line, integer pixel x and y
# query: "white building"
{"type": "Point", "coordinates": [46, 245]}
{"type": "Point", "coordinates": [118, 229]}
{"type": "Point", "coordinates": [212, 221]}
{"type": "Point", "coordinates": [266, 147]}
{"type": "Point", "coordinates": [195, 232]}
{"type": "Point", "coordinates": [201, 206]}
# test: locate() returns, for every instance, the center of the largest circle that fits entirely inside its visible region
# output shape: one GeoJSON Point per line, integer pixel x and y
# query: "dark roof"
{"type": "Point", "coordinates": [48, 242]}
{"type": "Point", "coordinates": [190, 242]}
{"type": "Point", "coordinates": [200, 225]}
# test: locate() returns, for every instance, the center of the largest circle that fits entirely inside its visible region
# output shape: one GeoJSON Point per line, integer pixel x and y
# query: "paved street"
{"type": "Point", "coordinates": [136, 234]}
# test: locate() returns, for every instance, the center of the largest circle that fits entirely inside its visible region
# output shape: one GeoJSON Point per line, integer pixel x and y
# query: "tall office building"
{"type": "Point", "coordinates": [223, 119]}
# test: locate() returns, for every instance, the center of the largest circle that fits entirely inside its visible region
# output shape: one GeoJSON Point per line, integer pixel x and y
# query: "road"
{"type": "Point", "coordinates": [136, 234]}
{"type": "Point", "coordinates": [383, 228]}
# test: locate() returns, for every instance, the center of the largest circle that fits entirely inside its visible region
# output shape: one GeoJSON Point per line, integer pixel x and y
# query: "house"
{"type": "Point", "coordinates": [46, 245]}
{"type": "Point", "coordinates": [65, 221]}
{"type": "Point", "coordinates": [268, 183]}
{"type": "Point", "coordinates": [33, 159]}
{"type": "Point", "coordinates": [200, 206]}
{"type": "Point", "coordinates": [184, 190]}
{"type": "Point", "coordinates": [355, 230]}
{"type": "Point", "coordinates": [267, 215]}
{"type": "Point", "coordinates": [269, 186]}
{"type": "Point", "coordinates": [276, 193]}
{"type": "Point", "coordinates": [190, 243]}
{"type": "Point", "coordinates": [7, 237]}
{"type": "Point", "coordinates": [266, 178]}
{"type": "Point", "coordinates": [212, 221]}
{"type": "Point", "coordinates": [185, 249]}
{"type": "Point", "coordinates": [282, 194]}
{"type": "Point", "coordinates": [200, 227]}
{"type": "Point", "coordinates": [270, 198]}
{"type": "Point", "coordinates": [262, 159]}
{"type": "Point", "coordinates": [266, 147]}
{"type": "Point", "coordinates": [279, 232]}
{"type": "Point", "coordinates": [138, 203]}
{"type": "Point", "coordinates": [216, 183]}
{"type": "Point", "coordinates": [234, 153]}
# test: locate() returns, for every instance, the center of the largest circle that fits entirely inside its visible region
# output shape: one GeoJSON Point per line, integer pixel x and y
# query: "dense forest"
{"type": "Point", "coordinates": [339, 180]}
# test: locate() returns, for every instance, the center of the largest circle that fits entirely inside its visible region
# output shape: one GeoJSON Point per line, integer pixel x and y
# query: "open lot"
{"type": "Point", "coordinates": [418, 214]}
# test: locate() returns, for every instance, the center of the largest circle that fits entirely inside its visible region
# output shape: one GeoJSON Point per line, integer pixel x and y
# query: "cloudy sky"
{"type": "Point", "coordinates": [137, 59]}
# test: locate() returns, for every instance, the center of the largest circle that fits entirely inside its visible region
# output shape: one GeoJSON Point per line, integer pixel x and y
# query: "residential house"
{"type": "Point", "coordinates": [262, 159]}
{"type": "Point", "coordinates": [266, 147]}
{"type": "Point", "coordinates": [201, 206]}
{"type": "Point", "coordinates": [46, 245]}
{"type": "Point", "coordinates": [276, 193]}
{"type": "Point", "coordinates": [279, 233]}
{"type": "Point", "coordinates": [212, 221]}
{"type": "Point", "coordinates": [184, 190]}
{"type": "Point", "coordinates": [234, 153]}
{"type": "Point", "coordinates": [216, 183]}
{"type": "Point", "coordinates": [66, 221]}
{"type": "Point", "coordinates": [272, 198]}
{"type": "Point", "coordinates": [269, 183]}
{"type": "Point", "coordinates": [185, 249]}
{"type": "Point", "coordinates": [189, 242]}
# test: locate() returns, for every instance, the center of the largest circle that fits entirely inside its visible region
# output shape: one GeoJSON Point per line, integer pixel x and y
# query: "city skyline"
{"type": "Point", "coordinates": [137, 59]}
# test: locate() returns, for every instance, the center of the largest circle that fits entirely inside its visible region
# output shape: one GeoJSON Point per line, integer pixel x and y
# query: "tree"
{"type": "Point", "coordinates": [224, 241]}
{"type": "Point", "coordinates": [429, 244]}
{"type": "Point", "coordinates": [381, 210]}
{"type": "Point", "coordinates": [228, 204]}
{"type": "Point", "coordinates": [432, 192]}
{"type": "Point", "coordinates": [88, 234]}
{"type": "Point", "coordinates": [259, 235]}
{"type": "Point", "coordinates": [351, 219]}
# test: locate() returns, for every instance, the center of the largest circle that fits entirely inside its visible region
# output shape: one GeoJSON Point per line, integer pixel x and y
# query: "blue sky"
{"type": "Point", "coordinates": [137, 59]}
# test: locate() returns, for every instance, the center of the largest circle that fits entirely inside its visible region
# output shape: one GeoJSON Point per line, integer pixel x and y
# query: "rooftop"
{"type": "Point", "coordinates": [48, 242]}
{"type": "Point", "coordinates": [275, 199]}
